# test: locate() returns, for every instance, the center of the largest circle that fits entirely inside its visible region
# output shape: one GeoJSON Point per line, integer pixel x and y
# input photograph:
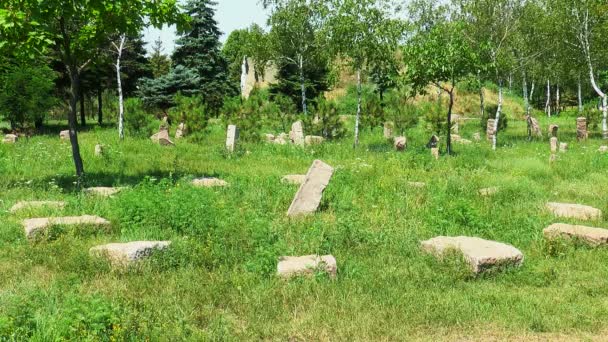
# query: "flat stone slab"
{"type": "Point", "coordinates": [126, 253]}
{"type": "Point", "coordinates": [209, 182]}
{"type": "Point", "coordinates": [577, 211]}
{"type": "Point", "coordinates": [38, 225]}
{"type": "Point", "coordinates": [22, 205]}
{"type": "Point", "coordinates": [418, 185]}
{"type": "Point", "coordinates": [103, 191]}
{"type": "Point", "coordinates": [313, 140]}
{"type": "Point", "coordinates": [293, 179]}
{"type": "Point", "coordinates": [590, 235]}
{"type": "Point", "coordinates": [480, 254]}
{"type": "Point", "coordinates": [291, 266]}
{"type": "Point", "coordinates": [309, 195]}
{"type": "Point", "coordinates": [488, 191]}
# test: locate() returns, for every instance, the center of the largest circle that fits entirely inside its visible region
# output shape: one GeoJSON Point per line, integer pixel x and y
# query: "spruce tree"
{"type": "Point", "coordinates": [199, 48]}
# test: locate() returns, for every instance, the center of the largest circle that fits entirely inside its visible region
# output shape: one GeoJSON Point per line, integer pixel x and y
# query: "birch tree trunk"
{"type": "Point", "coordinates": [584, 39]}
{"type": "Point", "coordinates": [531, 97]}
{"type": "Point", "coordinates": [302, 84]}
{"type": "Point", "coordinates": [498, 111]}
{"type": "Point", "coordinates": [548, 104]}
{"type": "Point", "coordinates": [244, 72]}
{"type": "Point", "coordinates": [358, 117]}
{"type": "Point", "coordinates": [557, 108]}
{"type": "Point", "coordinates": [482, 105]}
{"type": "Point", "coordinates": [121, 109]}
{"type": "Point", "coordinates": [580, 96]}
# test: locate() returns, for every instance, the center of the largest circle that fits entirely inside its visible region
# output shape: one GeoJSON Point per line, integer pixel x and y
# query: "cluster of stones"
{"type": "Point", "coordinates": [296, 136]}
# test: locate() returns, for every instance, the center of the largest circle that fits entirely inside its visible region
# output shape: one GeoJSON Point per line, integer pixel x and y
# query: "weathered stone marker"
{"type": "Point", "coordinates": [554, 145]}
{"type": "Point", "coordinates": [162, 137]}
{"type": "Point", "coordinates": [435, 152]}
{"type": "Point", "coordinates": [38, 225]}
{"type": "Point", "coordinates": [64, 135]}
{"type": "Point", "coordinates": [577, 211]}
{"type": "Point", "coordinates": [27, 205]}
{"type": "Point", "coordinates": [591, 236]}
{"type": "Point", "coordinates": [476, 136]}
{"type": "Point", "coordinates": [490, 129]}
{"type": "Point", "coordinates": [400, 143]}
{"type": "Point", "coordinates": [488, 191]}
{"type": "Point", "coordinates": [309, 195]}
{"type": "Point", "coordinates": [297, 133]}
{"type": "Point", "coordinates": [98, 150]}
{"type": "Point", "coordinates": [232, 137]}
{"type": "Point", "coordinates": [290, 266]}
{"type": "Point", "coordinates": [480, 254]}
{"type": "Point", "coordinates": [535, 128]}
{"type": "Point", "coordinates": [313, 140]}
{"type": "Point", "coordinates": [103, 191]}
{"type": "Point", "coordinates": [563, 147]}
{"type": "Point", "coordinates": [181, 131]}
{"type": "Point", "coordinates": [10, 139]}
{"type": "Point", "coordinates": [123, 254]}
{"type": "Point", "coordinates": [581, 129]}
{"type": "Point", "coordinates": [388, 130]}
{"type": "Point", "coordinates": [553, 130]}
{"type": "Point", "coordinates": [293, 179]}
{"type": "Point", "coordinates": [209, 182]}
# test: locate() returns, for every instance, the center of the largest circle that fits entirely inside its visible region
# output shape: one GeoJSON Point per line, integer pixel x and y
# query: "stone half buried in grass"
{"type": "Point", "coordinates": [28, 205]}
{"type": "Point", "coordinates": [589, 235]}
{"type": "Point", "coordinates": [103, 191]}
{"type": "Point", "coordinates": [10, 139]}
{"type": "Point", "coordinates": [64, 135]}
{"type": "Point", "coordinates": [400, 143]}
{"type": "Point", "coordinates": [488, 191]}
{"type": "Point", "coordinates": [575, 211]}
{"type": "Point", "coordinates": [481, 254]}
{"type": "Point", "coordinates": [309, 195]}
{"type": "Point", "coordinates": [293, 179]}
{"type": "Point", "coordinates": [291, 266]}
{"type": "Point", "coordinates": [209, 182]}
{"type": "Point", "coordinates": [313, 140]}
{"type": "Point", "coordinates": [418, 185]}
{"type": "Point", "coordinates": [35, 226]}
{"type": "Point", "coordinates": [121, 254]}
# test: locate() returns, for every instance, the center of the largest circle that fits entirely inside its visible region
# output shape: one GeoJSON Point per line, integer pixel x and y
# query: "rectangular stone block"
{"type": "Point", "coordinates": [232, 137]}
{"type": "Point", "coordinates": [309, 195]}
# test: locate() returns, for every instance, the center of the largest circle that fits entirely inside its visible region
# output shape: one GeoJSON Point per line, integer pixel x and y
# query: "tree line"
{"type": "Point", "coordinates": [553, 52]}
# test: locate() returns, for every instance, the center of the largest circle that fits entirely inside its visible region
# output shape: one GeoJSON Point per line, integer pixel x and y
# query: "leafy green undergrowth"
{"type": "Point", "coordinates": [216, 281]}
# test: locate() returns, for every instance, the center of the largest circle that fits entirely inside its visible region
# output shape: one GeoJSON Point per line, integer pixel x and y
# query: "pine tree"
{"type": "Point", "coordinates": [199, 49]}
{"type": "Point", "coordinates": [159, 62]}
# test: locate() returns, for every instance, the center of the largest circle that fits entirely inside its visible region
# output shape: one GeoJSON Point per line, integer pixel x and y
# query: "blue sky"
{"type": "Point", "coordinates": [230, 15]}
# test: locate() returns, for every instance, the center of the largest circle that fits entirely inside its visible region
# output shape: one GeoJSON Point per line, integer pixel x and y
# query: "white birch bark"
{"type": "Point", "coordinates": [358, 117]}
{"type": "Point", "coordinates": [121, 110]}
{"type": "Point", "coordinates": [548, 104]}
{"type": "Point", "coordinates": [531, 97]}
{"type": "Point", "coordinates": [557, 110]}
{"type": "Point", "coordinates": [302, 84]}
{"type": "Point", "coordinates": [244, 72]}
{"type": "Point", "coordinates": [498, 111]}
{"type": "Point", "coordinates": [580, 97]}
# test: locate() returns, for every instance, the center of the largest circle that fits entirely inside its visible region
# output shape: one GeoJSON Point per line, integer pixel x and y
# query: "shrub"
{"type": "Point", "coordinates": [26, 95]}
{"type": "Point", "coordinates": [192, 112]}
{"type": "Point", "coordinates": [401, 112]}
{"type": "Point", "coordinates": [490, 113]}
{"type": "Point", "coordinates": [327, 121]}
{"type": "Point", "coordinates": [373, 114]}
{"type": "Point", "coordinates": [246, 116]}
{"type": "Point", "coordinates": [435, 117]}
{"type": "Point", "coordinates": [138, 122]}
{"type": "Point", "coordinates": [280, 113]}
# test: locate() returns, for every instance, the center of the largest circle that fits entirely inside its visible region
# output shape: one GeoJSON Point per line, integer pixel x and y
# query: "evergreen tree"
{"type": "Point", "coordinates": [160, 93]}
{"type": "Point", "coordinates": [198, 48]}
{"type": "Point", "coordinates": [159, 62]}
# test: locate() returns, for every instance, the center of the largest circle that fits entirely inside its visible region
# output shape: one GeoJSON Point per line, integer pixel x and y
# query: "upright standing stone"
{"type": "Point", "coordinates": [563, 147]}
{"type": "Point", "coordinates": [388, 130]}
{"type": "Point", "coordinates": [309, 195]}
{"type": "Point", "coordinates": [162, 137]}
{"type": "Point", "coordinates": [456, 123]}
{"type": "Point", "coordinates": [181, 131]}
{"type": "Point", "coordinates": [581, 129]}
{"type": "Point", "coordinates": [297, 133]}
{"type": "Point", "coordinates": [10, 139]}
{"type": "Point", "coordinates": [435, 152]}
{"type": "Point", "coordinates": [400, 143]}
{"type": "Point", "coordinates": [554, 145]}
{"type": "Point", "coordinates": [64, 135]}
{"type": "Point", "coordinates": [553, 130]}
{"type": "Point", "coordinates": [98, 150]}
{"type": "Point", "coordinates": [490, 129]}
{"type": "Point", "coordinates": [232, 137]}
{"type": "Point", "coordinates": [535, 127]}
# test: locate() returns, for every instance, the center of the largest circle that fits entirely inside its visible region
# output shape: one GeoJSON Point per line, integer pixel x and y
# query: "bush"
{"type": "Point", "coordinates": [138, 122]}
{"type": "Point", "coordinates": [26, 95]}
{"type": "Point", "coordinates": [490, 113]}
{"type": "Point", "coordinates": [402, 113]}
{"type": "Point", "coordinates": [192, 112]}
{"type": "Point", "coordinates": [280, 113]}
{"type": "Point", "coordinates": [246, 116]}
{"type": "Point", "coordinates": [327, 121]}
{"type": "Point", "coordinates": [373, 114]}
{"type": "Point", "coordinates": [435, 117]}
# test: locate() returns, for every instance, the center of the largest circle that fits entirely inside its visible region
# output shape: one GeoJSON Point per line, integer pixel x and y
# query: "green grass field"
{"type": "Point", "coordinates": [217, 281]}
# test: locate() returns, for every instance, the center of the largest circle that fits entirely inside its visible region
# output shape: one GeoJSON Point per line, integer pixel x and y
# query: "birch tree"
{"type": "Point", "coordinates": [361, 31]}
{"type": "Point", "coordinates": [121, 110]}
